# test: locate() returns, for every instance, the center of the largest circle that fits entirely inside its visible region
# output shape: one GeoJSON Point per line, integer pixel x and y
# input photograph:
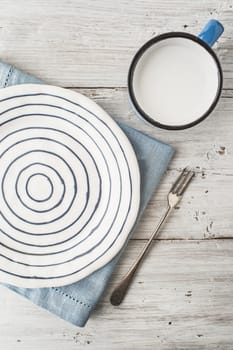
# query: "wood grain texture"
{"type": "Point", "coordinates": [91, 43]}
{"type": "Point", "coordinates": [181, 298]}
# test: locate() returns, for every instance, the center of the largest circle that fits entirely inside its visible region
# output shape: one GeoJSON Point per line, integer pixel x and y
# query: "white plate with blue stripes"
{"type": "Point", "coordinates": [70, 186]}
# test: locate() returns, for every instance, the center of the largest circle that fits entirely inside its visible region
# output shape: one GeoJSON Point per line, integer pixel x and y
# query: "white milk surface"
{"type": "Point", "coordinates": [175, 81]}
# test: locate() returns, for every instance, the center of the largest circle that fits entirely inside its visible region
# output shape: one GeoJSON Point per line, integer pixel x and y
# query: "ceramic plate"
{"type": "Point", "coordinates": [70, 186]}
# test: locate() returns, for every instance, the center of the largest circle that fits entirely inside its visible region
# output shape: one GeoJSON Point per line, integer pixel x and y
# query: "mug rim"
{"type": "Point", "coordinates": [137, 57]}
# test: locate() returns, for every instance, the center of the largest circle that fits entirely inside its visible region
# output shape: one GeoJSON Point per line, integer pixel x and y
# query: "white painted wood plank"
{"type": "Point", "coordinates": [91, 43]}
{"type": "Point", "coordinates": [180, 299]}
{"type": "Point", "coordinates": [207, 208]}
{"type": "Point", "coordinates": [207, 145]}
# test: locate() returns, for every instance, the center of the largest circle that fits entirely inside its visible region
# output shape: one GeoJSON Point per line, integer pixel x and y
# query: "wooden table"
{"type": "Point", "coordinates": [182, 296]}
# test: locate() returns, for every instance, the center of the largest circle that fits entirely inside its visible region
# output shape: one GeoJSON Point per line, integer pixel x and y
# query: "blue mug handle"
{"type": "Point", "coordinates": [211, 32]}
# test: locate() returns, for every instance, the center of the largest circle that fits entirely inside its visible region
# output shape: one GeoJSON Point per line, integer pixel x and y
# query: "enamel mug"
{"type": "Point", "coordinates": [175, 79]}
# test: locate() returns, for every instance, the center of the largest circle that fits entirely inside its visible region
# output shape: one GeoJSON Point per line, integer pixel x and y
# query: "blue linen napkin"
{"type": "Point", "coordinates": [74, 303]}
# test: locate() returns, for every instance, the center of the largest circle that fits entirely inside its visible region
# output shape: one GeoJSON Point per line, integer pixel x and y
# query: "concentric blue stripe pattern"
{"type": "Point", "coordinates": [69, 184]}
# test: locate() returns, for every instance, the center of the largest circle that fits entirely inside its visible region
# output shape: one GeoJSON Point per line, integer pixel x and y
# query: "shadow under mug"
{"type": "Point", "coordinates": [176, 63]}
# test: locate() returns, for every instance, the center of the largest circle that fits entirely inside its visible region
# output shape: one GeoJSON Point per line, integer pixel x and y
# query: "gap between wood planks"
{"type": "Point", "coordinates": [222, 238]}
{"type": "Point", "coordinates": [125, 88]}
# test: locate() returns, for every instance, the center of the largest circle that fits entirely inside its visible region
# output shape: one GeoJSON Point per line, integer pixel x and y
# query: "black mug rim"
{"type": "Point", "coordinates": [133, 65]}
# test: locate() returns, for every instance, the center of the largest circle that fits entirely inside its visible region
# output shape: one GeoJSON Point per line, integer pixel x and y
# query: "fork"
{"type": "Point", "coordinates": [173, 198]}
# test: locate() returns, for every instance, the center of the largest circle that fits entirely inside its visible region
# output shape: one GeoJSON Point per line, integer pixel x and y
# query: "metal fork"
{"type": "Point", "coordinates": [174, 196]}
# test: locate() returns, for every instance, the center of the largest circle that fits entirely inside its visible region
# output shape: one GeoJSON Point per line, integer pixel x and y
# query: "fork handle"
{"type": "Point", "coordinates": [120, 290]}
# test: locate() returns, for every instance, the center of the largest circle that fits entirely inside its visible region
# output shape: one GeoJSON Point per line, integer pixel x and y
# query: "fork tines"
{"type": "Point", "coordinates": [182, 182]}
